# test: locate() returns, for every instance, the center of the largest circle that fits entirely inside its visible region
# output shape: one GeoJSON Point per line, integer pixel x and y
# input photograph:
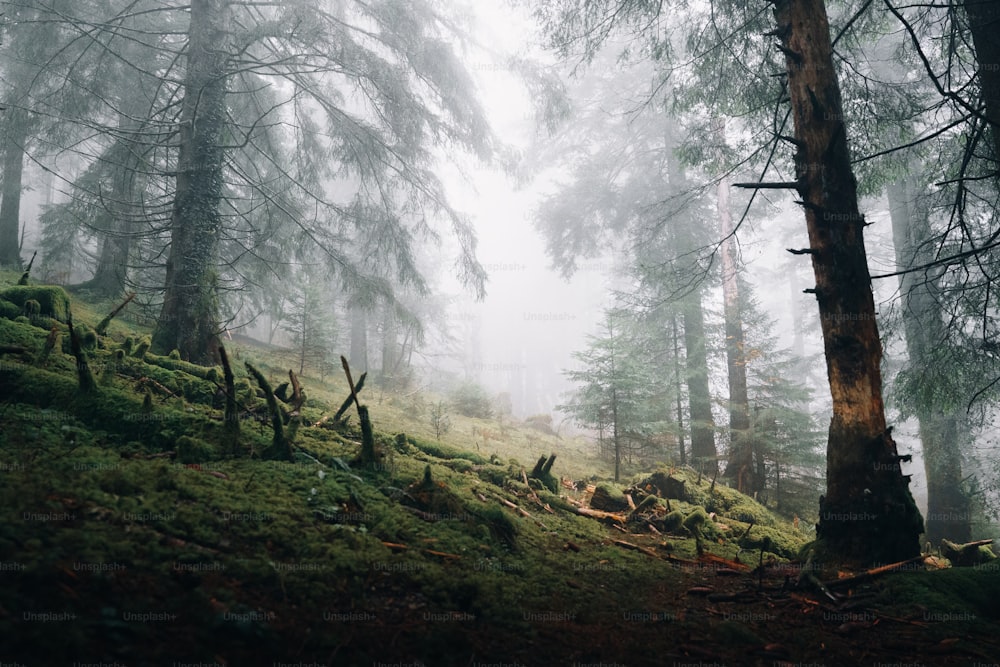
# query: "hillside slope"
{"type": "Point", "coordinates": [130, 533]}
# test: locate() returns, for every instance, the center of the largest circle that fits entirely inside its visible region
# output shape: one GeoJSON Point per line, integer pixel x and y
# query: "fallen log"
{"type": "Point", "coordinates": [875, 571]}
{"type": "Point", "coordinates": [636, 547]}
{"type": "Point", "coordinates": [601, 515]}
{"type": "Point", "coordinates": [964, 555]}
{"type": "Point", "coordinates": [723, 563]}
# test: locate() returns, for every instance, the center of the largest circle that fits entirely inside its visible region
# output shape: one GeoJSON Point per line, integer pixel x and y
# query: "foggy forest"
{"type": "Point", "coordinates": [499, 333]}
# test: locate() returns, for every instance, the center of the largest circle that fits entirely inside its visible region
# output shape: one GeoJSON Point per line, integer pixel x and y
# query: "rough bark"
{"type": "Point", "coordinates": [740, 466]}
{"type": "Point", "coordinates": [13, 169]}
{"type": "Point", "coordinates": [188, 320]}
{"type": "Point", "coordinates": [868, 514]}
{"type": "Point", "coordinates": [703, 453]}
{"type": "Point", "coordinates": [984, 24]}
{"type": "Point", "coordinates": [941, 433]}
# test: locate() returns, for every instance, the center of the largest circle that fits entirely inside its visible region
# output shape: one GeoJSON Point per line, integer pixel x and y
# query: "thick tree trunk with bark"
{"type": "Point", "coordinates": [15, 136]}
{"type": "Point", "coordinates": [984, 24]}
{"type": "Point", "coordinates": [740, 466]}
{"type": "Point", "coordinates": [703, 453]}
{"type": "Point", "coordinates": [868, 514]}
{"type": "Point", "coordinates": [941, 434]}
{"type": "Point", "coordinates": [189, 320]}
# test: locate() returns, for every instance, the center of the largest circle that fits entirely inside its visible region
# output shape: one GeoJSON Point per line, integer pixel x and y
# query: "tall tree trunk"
{"type": "Point", "coordinates": [116, 246]}
{"type": "Point", "coordinates": [941, 434]}
{"type": "Point", "coordinates": [15, 135]}
{"type": "Point", "coordinates": [984, 24]}
{"type": "Point", "coordinates": [390, 347]}
{"type": "Point", "coordinates": [868, 514]}
{"type": "Point", "coordinates": [189, 320]}
{"type": "Point", "coordinates": [677, 387]}
{"type": "Point", "coordinates": [740, 467]}
{"type": "Point", "coordinates": [703, 452]}
{"type": "Point", "coordinates": [616, 430]}
{"type": "Point", "coordinates": [359, 339]}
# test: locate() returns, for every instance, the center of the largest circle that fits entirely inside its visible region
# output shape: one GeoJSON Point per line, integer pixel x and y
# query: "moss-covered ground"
{"type": "Point", "coordinates": [130, 534]}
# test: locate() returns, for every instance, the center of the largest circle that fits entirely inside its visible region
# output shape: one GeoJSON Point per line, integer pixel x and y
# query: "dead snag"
{"type": "Point", "coordinates": [350, 399]}
{"type": "Point", "coordinates": [84, 376]}
{"type": "Point", "coordinates": [27, 272]}
{"type": "Point", "coordinates": [280, 447]}
{"type": "Point", "coordinates": [543, 472]}
{"type": "Point", "coordinates": [369, 456]}
{"type": "Point", "coordinates": [103, 325]}
{"type": "Point", "coordinates": [231, 426]}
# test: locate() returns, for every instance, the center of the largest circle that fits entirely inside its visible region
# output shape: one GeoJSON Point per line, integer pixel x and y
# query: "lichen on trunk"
{"type": "Point", "coordinates": [189, 320]}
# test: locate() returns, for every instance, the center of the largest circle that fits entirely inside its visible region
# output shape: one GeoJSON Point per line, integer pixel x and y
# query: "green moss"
{"type": "Point", "coordinates": [176, 364]}
{"type": "Point", "coordinates": [696, 521]}
{"type": "Point", "coordinates": [783, 543]}
{"type": "Point", "coordinates": [193, 450]}
{"type": "Point", "coordinates": [142, 347]}
{"type": "Point", "coordinates": [444, 451]}
{"type": "Point", "coordinates": [198, 391]}
{"type": "Point", "coordinates": [32, 308]}
{"type": "Point", "coordinates": [88, 337]}
{"type": "Point", "coordinates": [970, 592]}
{"type": "Point", "coordinates": [20, 332]}
{"type": "Point", "coordinates": [673, 521]}
{"type": "Point", "coordinates": [8, 309]}
{"type": "Point", "coordinates": [52, 300]}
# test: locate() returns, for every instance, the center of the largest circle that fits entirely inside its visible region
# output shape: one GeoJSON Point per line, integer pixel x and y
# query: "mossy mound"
{"type": "Point", "coordinates": [13, 332]}
{"type": "Point", "coordinates": [9, 310]}
{"type": "Point", "coordinates": [52, 299]}
{"type": "Point", "coordinates": [193, 450]}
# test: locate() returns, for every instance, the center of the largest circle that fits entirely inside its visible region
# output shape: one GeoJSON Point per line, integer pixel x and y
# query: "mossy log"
{"type": "Point", "coordinates": [608, 499]}
{"type": "Point", "coordinates": [969, 554]}
{"type": "Point", "coordinates": [52, 299]}
{"type": "Point", "coordinates": [210, 373]}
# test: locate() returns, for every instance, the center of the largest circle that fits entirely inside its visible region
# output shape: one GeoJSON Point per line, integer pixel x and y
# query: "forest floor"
{"type": "Point", "coordinates": [128, 536]}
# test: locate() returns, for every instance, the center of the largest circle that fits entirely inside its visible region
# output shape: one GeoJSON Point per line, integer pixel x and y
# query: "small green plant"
{"type": "Point", "coordinates": [440, 421]}
{"type": "Point", "coordinates": [471, 400]}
